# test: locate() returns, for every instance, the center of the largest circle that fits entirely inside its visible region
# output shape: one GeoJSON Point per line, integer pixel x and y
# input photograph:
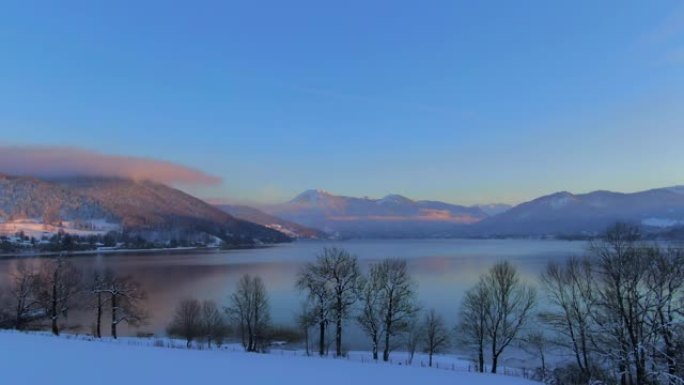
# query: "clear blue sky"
{"type": "Point", "coordinates": [463, 101]}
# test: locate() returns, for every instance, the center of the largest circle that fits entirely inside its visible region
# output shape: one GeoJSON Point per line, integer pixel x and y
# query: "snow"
{"type": "Point", "coordinates": [41, 359]}
{"type": "Point", "coordinates": [660, 222]}
{"type": "Point", "coordinates": [560, 202]}
{"type": "Point", "coordinates": [34, 227]}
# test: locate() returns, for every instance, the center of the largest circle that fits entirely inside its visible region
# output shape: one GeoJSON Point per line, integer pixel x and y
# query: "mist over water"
{"type": "Point", "coordinates": [442, 269]}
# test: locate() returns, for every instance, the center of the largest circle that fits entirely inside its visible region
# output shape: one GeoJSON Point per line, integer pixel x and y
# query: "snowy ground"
{"type": "Point", "coordinates": [34, 227]}
{"type": "Point", "coordinates": [42, 359]}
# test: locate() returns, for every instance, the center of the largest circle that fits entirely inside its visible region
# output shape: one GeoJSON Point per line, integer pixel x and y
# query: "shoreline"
{"type": "Point", "coordinates": [79, 253]}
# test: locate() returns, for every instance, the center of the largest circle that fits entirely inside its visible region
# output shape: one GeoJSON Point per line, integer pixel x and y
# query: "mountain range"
{"type": "Point", "coordinates": [392, 216]}
{"type": "Point", "coordinates": [151, 210]}
{"type": "Point", "coordinates": [564, 213]}
{"type": "Point", "coordinates": [159, 212]}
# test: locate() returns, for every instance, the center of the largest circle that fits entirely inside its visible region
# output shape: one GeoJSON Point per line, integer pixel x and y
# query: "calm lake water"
{"type": "Point", "coordinates": [442, 269]}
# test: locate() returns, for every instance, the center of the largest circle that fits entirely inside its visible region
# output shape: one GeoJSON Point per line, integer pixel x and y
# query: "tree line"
{"type": "Point", "coordinates": [45, 291]}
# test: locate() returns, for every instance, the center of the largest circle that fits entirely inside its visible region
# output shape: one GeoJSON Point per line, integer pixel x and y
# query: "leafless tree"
{"type": "Point", "coordinates": [665, 283]}
{"type": "Point", "coordinates": [126, 298]}
{"type": "Point", "coordinates": [214, 325]}
{"type": "Point", "coordinates": [536, 343]}
{"type": "Point", "coordinates": [370, 316]}
{"type": "Point", "coordinates": [57, 285]}
{"type": "Point", "coordinates": [250, 309]}
{"type": "Point", "coordinates": [510, 304]}
{"type": "Point", "coordinates": [100, 282]}
{"type": "Point", "coordinates": [623, 304]}
{"type": "Point", "coordinates": [187, 321]}
{"type": "Point", "coordinates": [435, 334]}
{"type": "Point", "coordinates": [341, 270]}
{"type": "Point", "coordinates": [397, 299]}
{"type": "Point", "coordinates": [413, 337]}
{"type": "Point", "coordinates": [570, 288]}
{"type": "Point", "coordinates": [306, 319]}
{"type": "Point", "coordinates": [22, 292]}
{"type": "Point", "coordinates": [472, 326]}
{"type": "Point", "coordinates": [313, 280]}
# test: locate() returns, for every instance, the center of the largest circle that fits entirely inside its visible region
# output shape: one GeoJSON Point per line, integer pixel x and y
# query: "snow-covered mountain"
{"type": "Point", "coordinates": [257, 216]}
{"type": "Point", "coordinates": [391, 216]}
{"type": "Point", "coordinates": [143, 208]}
{"type": "Point", "coordinates": [492, 209]}
{"type": "Point", "coordinates": [567, 213]}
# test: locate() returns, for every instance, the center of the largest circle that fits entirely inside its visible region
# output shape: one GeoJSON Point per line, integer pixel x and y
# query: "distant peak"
{"type": "Point", "coordinates": [395, 198]}
{"type": "Point", "coordinates": [312, 195]}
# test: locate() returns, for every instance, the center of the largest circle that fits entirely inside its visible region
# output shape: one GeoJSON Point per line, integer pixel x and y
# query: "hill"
{"type": "Point", "coordinates": [146, 209]}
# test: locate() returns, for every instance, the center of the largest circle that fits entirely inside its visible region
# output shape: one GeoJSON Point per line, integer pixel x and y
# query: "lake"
{"type": "Point", "coordinates": [443, 270]}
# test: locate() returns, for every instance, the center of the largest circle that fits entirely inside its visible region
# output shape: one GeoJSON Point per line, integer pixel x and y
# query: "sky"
{"type": "Point", "coordinates": [462, 101]}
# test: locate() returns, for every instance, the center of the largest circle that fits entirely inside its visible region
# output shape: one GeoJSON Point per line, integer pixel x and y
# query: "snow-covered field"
{"type": "Point", "coordinates": [35, 227]}
{"type": "Point", "coordinates": [42, 359]}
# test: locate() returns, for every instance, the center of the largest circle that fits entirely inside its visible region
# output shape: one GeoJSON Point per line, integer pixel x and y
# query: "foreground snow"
{"type": "Point", "coordinates": [39, 359]}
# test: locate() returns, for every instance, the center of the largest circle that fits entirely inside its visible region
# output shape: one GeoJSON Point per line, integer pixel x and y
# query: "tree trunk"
{"type": "Point", "coordinates": [430, 358]}
{"type": "Point", "coordinates": [495, 362]}
{"type": "Point", "coordinates": [53, 310]}
{"type": "Point", "coordinates": [114, 316]}
{"type": "Point", "coordinates": [385, 352]}
{"type": "Point", "coordinates": [338, 336]}
{"type": "Point", "coordinates": [375, 347]}
{"type": "Point", "coordinates": [480, 358]}
{"type": "Point", "coordinates": [306, 340]}
{"type": "Point", "coordinates": [98, 327]}
{"type": "Point", "coordinates": [321, 341]}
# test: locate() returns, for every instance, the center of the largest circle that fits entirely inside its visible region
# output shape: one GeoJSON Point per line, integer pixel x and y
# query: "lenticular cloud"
{"type": "Point", "coordinates": [57, 162]}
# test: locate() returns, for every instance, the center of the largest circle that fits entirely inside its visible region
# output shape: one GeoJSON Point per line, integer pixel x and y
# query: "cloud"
{"type": "Point", "coordinates": [57, 162]}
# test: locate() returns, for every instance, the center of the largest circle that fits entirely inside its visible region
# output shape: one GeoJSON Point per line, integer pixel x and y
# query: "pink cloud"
{"type": "Point", "coordinates": [55, 162]}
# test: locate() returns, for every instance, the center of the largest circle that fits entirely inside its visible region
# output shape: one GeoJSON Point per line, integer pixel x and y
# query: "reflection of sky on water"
{"type": "Point", "coordinates": [442, 269]}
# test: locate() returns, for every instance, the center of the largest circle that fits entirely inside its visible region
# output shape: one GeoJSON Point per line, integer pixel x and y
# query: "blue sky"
{"type": "Point", "coordinates": [463, 101]}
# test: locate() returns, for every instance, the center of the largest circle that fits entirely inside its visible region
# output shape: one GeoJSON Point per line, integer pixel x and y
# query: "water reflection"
{"type": "Point", "coordinates": [443, 270]}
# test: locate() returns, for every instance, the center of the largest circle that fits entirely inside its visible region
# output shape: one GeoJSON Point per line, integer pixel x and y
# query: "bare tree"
{"type": "Point", "coordinates": [187, 321]}
{"type": "Point", "coordinates": [22, 292]}
{"type": "Point", "coordinates": [306, 319]}
{"type": "Point", "coordinates": [413, 337]}
{"type": "Point", "coordinates": [570, 289]}
{"type": "Point", "coordinates": [397, 299]}
{"type": "Point", "coordinates": [623, 312]}
{"type": "Point", "coordinates": [56, 286]}
{"type": "Point", "coordinates": [250, 309]}
{"type": "Point", "coordinates": [99, 284]}
{"type": "Point", "coordinates": [126, 298]}
{"type": "Point", "coordinates": [510, 304]}
{"type": "Point", "coordinates": [313, 280]}
{"type": "Point", "coordinates": [536, 343]}
{"type": "Point", "coordinates": [472, 326]}
{"type": "Point", "coordinates": [214, 325]}
{"type": "Point", "coordinates": [435, 334]}
{"type": "Point", "coordinates": [370, 317]}
{"type": "Point", "coordinates": [341, 269]}
{"type": "Point", "coordinates": [665, 283]}
{"type": "Point", "coordinates": [621, 306]}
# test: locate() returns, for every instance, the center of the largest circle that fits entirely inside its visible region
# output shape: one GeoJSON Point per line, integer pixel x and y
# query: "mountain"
{"type": "Point", "coordinates": [392, 216]}
{"type": "Point", "coordinates": [494, 208]}
{"type": "Point", "coordinates": [151, 210]}
{"type": "Point", "coordinates": [564, 213]}
{"type": "Point", "coordinates": [257, 216]}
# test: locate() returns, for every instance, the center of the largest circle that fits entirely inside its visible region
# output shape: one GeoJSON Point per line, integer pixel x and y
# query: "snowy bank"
{"type": "Point", "coordinates": [40, 359]}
